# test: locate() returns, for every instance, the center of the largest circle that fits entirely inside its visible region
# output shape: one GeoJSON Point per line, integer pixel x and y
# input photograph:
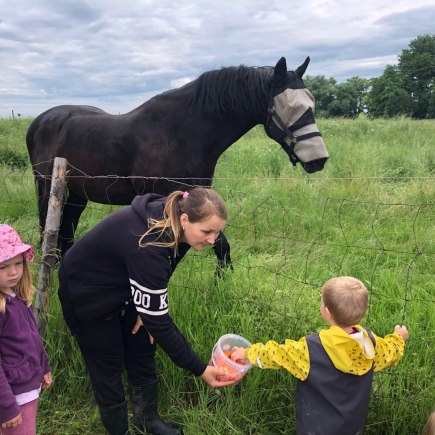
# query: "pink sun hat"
{"type": "Point", "coordinates": [11, 245]}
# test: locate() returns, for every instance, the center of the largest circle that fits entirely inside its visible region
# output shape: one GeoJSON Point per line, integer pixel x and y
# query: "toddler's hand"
{"type": "Point", "coordinates": [48, 380]}
{"type": "Point", "coordinates": [14, 422]}
{"type": "Point", "coordinates": [402, 331]}
{"type": "Point", "coordinates": [237, 353]}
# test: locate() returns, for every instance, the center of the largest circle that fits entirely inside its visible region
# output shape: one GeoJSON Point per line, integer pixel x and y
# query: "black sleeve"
{"type": "Point", "coordinates": [149, 273]}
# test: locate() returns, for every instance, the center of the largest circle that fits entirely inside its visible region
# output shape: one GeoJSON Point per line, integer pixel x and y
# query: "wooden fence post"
{"type": "Point", "coordinates": [49, 253]}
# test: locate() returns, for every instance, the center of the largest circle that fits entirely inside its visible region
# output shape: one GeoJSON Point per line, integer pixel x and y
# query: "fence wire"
{"type": "Point", "coordinates": [284, 257]}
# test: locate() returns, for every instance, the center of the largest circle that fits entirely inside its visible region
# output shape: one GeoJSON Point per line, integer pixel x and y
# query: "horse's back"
{"type": "Point", "coordinates": [59, 114]}
{"type": "Point", "coordinates": [43, 134]}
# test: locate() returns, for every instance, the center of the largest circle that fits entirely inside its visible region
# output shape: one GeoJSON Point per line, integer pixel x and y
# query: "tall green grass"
{"type": "Point", "coordinates": [370, 214]}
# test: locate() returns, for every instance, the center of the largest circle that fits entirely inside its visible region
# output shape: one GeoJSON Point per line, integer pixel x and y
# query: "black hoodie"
{"type": "Point", "coordinates": [106, 268]}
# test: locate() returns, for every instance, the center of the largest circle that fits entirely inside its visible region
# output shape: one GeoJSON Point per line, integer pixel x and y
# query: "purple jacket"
{"type": "Point", "coordinates": [23, 359]}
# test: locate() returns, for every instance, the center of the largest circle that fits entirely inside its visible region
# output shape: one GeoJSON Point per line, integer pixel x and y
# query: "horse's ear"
{"type": "Point", "coordinates": [280, 77]}
{"type": "Point", "coordinates": [300, 70]}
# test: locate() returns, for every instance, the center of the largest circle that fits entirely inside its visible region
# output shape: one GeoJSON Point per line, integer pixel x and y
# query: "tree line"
{"type": "Point", "coordinates": [405, 89]}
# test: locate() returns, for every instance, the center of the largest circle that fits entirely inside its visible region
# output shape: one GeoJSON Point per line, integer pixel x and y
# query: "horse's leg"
{"type": "Point", "coordinates": [72, 209]}
{"type": "Point", "coordinates": [222, 251]}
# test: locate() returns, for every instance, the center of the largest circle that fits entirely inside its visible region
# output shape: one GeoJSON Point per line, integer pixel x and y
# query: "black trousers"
{"type": "Point", "coordinates": [108, 348]}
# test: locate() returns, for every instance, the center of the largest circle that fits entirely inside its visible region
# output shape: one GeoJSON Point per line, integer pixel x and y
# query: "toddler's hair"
{"type": "Point", "coordinates": [346, 299]}
{"type": "Point", "coordinates": [24, 289]}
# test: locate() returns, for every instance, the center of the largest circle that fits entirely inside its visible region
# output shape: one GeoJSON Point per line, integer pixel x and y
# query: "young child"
{"type": "Point", "coordinates": [335, 367]}
{"type": "Point", "coordinates": [24, 366]}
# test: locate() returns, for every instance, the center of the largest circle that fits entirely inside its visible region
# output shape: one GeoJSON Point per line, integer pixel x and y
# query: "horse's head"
{"type": "Point", "coordinates": [291, 118]}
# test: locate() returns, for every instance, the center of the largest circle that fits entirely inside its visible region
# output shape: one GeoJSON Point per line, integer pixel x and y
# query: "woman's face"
{"type": "Point", "coordinates": [199, 235]}
{"type": "Point", "coordinates": [11, 272]}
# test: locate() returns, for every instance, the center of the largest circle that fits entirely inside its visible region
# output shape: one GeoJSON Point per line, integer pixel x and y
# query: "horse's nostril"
{"type": "Point", "coordinates": [315, 165]}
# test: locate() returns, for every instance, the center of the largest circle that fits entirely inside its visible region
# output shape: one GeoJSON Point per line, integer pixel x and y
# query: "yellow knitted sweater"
{"type": "Point", "coordinates": [350, 353]}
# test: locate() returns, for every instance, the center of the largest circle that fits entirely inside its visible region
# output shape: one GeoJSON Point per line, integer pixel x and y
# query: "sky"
{"type": "Point", "coordinates": [117, 54]}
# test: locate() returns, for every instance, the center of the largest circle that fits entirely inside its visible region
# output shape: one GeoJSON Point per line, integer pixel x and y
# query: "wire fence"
{"type": "Point", "coordinates": [412, 249]}
{"type": "Point", "coordinates": [370, 239]}
{"type": "Point", "coordinates": [285, 247]}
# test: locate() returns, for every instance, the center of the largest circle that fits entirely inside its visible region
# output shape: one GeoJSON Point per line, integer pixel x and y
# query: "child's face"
{"type": "Point", "coordinates": [11, 272]}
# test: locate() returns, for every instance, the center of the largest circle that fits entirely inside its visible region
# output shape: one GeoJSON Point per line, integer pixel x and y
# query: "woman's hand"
{"type": "Point", "coordinates": [48, 380]}
{"type": "Point", "coordinates": [136, 327]}
{"type": "Point", "coordinates": [218, 377]}
{"type": "Point", "coordinates": [13, 422]}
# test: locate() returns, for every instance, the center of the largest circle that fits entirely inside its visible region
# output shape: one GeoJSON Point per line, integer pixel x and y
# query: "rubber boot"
{"type": "Point", "coordinates": [145, 416]}
{"type": "Point", "coordinates": [115, 419]}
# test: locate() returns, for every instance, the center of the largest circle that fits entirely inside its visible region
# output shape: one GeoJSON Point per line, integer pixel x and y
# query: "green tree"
{"type": "Point", "coordinates": [417, 67]}
{"type": "Point", "coordinates": [388, 97]}
{"type": "Point", "coordinates": [360, 88]}
{"type": "Point", "coordinates": [324, 91]}
{"type": "Point", "coordinates": [431, 106]}
{"type": "Point", "coordinates": [349, 98]}
{"type": "Point", "coordinates": [333, 99]}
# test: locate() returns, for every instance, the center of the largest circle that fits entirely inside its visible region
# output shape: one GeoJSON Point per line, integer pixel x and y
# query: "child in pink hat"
{"type": "Point", "coordinates": [24, 366]}
{"type": "Point", "coordinates": [11, 245]}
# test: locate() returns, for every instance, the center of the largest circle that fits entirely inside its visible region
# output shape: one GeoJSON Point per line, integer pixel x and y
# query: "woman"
{"type": "Point", "coordinates": [115, 278]}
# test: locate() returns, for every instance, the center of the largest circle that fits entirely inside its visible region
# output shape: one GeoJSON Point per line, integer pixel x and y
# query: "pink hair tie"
{"type": "Point", "coordinates": [185, 195]}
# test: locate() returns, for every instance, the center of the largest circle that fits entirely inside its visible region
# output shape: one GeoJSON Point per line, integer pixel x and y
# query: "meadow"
{"type": "Point", "coordinates": [369, 214]}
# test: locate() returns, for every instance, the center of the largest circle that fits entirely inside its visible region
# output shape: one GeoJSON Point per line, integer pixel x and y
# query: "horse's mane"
{"type": "Point", "coordinates": [238, 89]}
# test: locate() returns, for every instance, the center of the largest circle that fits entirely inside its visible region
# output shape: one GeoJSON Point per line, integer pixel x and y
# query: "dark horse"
{"type": "Point", "coordinates": [173, 141]}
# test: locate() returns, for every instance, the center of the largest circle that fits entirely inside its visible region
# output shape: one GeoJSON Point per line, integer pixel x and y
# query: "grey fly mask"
{"type": "Point", "coordinates": [291, 118]}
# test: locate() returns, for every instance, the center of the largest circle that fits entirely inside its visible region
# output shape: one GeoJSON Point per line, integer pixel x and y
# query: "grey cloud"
{"type": "Point", "coordinates": [405, 24]}
{"type": "Point", "coordinates": [70, 11]}
{"type": "Point", "coordinates": [119, 54]}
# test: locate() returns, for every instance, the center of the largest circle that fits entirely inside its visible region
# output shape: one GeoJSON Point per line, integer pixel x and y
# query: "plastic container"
{"type": "Point", "coordinates": [226, 344]}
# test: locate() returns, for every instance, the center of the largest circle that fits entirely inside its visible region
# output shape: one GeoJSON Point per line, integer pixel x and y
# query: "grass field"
{"type": "Point", "coordinates": [369, 214]}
